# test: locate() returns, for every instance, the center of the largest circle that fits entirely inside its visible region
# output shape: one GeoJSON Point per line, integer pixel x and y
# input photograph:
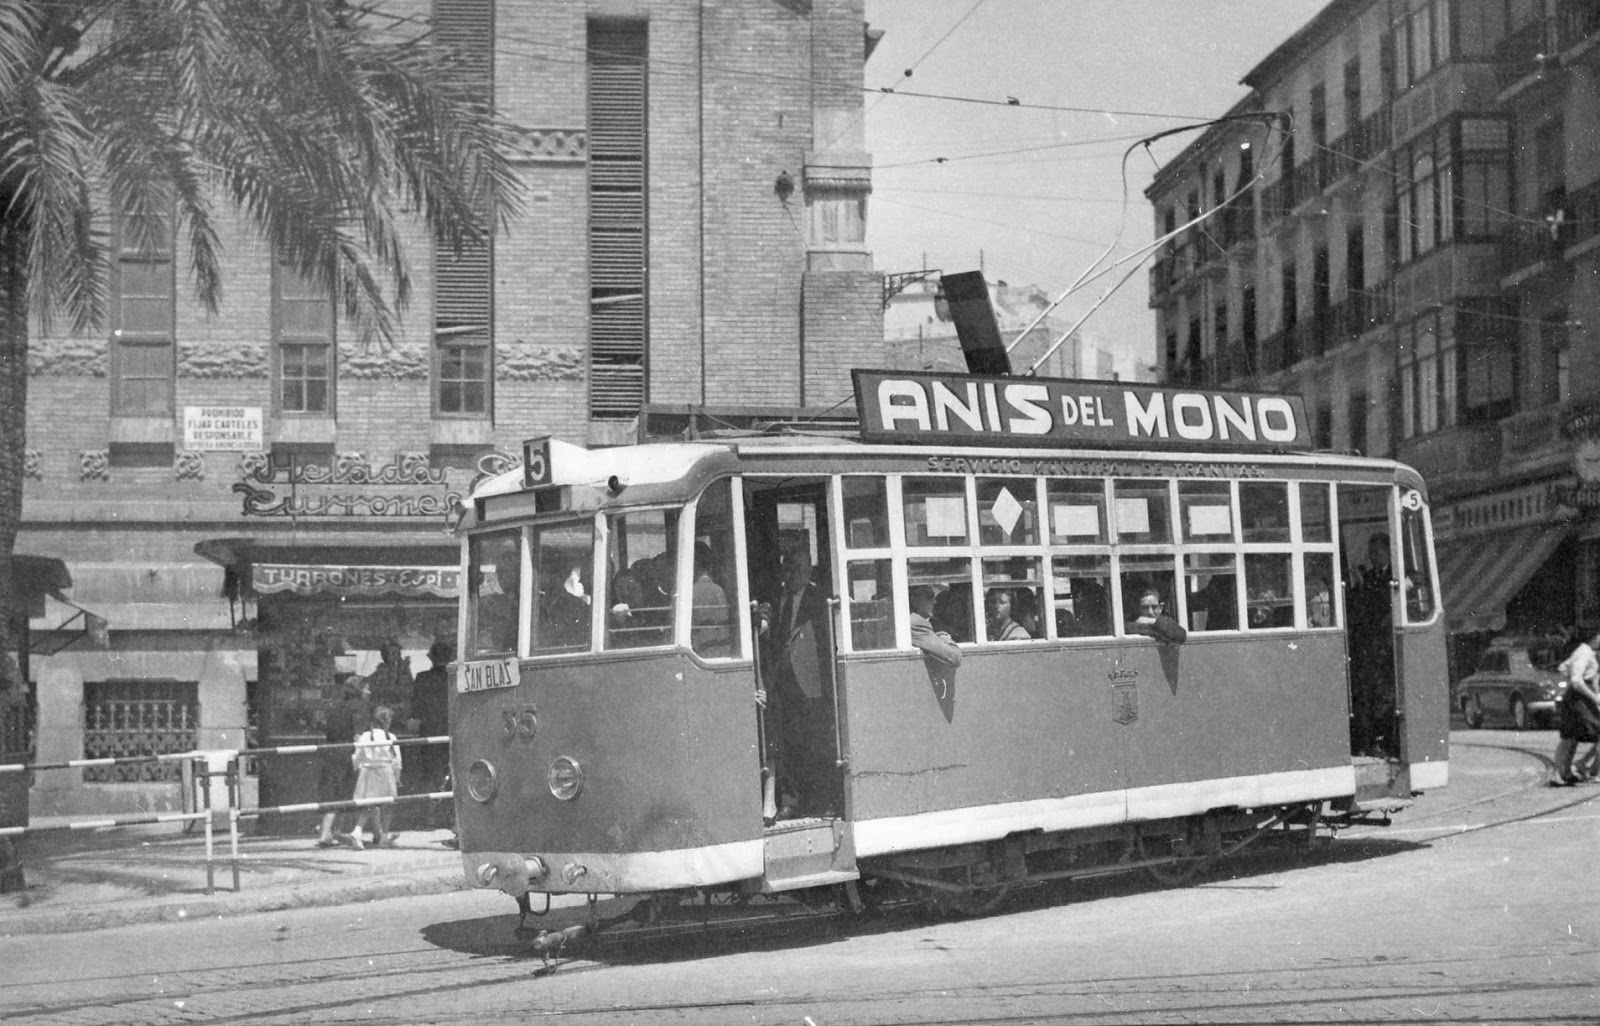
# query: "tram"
{"type": "Point", "coordinates": [694, 668]}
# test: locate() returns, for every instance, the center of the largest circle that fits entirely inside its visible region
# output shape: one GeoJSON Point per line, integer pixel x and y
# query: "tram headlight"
{"type": "Point", "coordinates": [565, 778]}
{"type": "Point", "coordinates": [482, 781]}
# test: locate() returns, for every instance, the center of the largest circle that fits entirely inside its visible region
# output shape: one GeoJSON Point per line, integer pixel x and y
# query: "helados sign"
{"type": "Point", "coordinates": [1053, 413]}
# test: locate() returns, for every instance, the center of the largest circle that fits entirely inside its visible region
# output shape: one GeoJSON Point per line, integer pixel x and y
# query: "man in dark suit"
{"type": "Point", "coordinates": [799, 674]}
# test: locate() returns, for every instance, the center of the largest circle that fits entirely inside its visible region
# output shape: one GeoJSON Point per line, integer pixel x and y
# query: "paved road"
{"type": "Point", "coordinates": [1479, 904]}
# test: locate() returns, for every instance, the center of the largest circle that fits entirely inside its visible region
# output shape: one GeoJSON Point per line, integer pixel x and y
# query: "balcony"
{"type": "Point", "coordinates": [1375, 134]}
{"type": "Point", "coordinates": [1529, 249]}
{"type": "Point", "coordinates": [1162, 275]}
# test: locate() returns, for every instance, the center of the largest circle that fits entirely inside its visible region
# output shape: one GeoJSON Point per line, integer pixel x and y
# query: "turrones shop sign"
{"type": "Point", "coordinates": [356, 581]}
{"type": "Point", "coordinates": [347, 486]}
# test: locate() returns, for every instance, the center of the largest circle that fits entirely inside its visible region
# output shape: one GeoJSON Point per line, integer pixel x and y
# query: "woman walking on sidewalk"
{"type": "Point", "coordinates": [377, 763]}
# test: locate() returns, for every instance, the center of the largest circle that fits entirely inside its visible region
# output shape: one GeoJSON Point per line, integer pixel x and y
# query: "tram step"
{"type": "Point", "coordinates": [808, 853]}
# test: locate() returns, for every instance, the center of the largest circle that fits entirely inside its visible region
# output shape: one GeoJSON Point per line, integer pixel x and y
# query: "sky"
{"type": "Point", "coordinates": [1036, 196]}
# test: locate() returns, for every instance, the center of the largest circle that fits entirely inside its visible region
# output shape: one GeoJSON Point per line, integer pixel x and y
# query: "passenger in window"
{"type": "Point", "coordinates": [1152, 620]}
{"type": "Point", "coordinates": [997, 608]}
{"type": "Point", "coordinates": [1213, 607]}
{"type": "Point", "coordinates": [565, 613]}
{"type": "Point", "coordinates": [1263, 600]}
{"type": "Point", "coordinates": [1319, 603]}
{"type": "Point", "coordinates": [952, 613]}
{"type": "Point", "coordinates": [710, 620]}
{"type": "Point", "coordinates": [936, 645]}
{"type": "Point", "coordinates": [1025, 610]}
{"type": "Point", "coordinates": [799, 678]}
{"type": "Point", "coordinates": [1090, 614]}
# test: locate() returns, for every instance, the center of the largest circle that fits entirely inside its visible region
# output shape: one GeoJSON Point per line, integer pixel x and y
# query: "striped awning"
{"type": "Point", "coordinates": [1480, 573]}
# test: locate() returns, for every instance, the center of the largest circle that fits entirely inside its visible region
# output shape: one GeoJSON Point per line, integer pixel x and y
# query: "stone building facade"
{"type": "Point", "coordinates": [258, 505]}
{"type": "Point", "coordinates": [1401, 221]}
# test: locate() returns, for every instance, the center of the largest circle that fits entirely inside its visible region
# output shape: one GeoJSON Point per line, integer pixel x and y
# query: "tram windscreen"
{"type": "Point", "coordinates": [494, 573]}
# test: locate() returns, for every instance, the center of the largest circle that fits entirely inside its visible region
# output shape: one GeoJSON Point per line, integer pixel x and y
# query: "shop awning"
{"type": "Point", "coordinates": [1480, 573]}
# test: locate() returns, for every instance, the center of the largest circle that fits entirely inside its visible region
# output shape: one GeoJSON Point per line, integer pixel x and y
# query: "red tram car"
{"type": "Point", "coordinates": [639, 708]}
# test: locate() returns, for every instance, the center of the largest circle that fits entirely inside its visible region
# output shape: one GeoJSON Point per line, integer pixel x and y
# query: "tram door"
{"type": "Point", "coordinates": [1367, 550]}
{"type": "Point", "coordinates": [788, 545]}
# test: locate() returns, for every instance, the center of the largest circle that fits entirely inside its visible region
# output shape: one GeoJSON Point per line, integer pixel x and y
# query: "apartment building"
{"type": "Point", "coordinates": [254, 506]}
{"type": "Point", "coordinates": [1401, 221]}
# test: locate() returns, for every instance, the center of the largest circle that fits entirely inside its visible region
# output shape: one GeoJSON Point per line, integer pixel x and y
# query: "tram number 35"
{"type": "Point", "coordinates": [520, 721]}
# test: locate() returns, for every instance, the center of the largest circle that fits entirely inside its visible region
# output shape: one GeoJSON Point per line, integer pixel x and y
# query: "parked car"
{"type": "Point", "coordinates": [1515, 680]}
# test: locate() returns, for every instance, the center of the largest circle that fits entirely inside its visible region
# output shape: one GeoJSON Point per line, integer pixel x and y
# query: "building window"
{"type": "Point", "coordinates": [1423, 40]}
{"type": "Point", "coordinates": [1352, 95]}
{"type": "Point", "coordinates": [129, 718]}
{"type": "Point", "coordinates": [1424, 199]}
{"type": "Point", "coordinates": [1357, 419]}
{"type": "Point", "coordinates": [618, 243]}
{"type": "Point", "coordinates": [463, 276]}
{"type": "Point", "coordinates": [1427, 377]}
{"type": "Point", "coordinates": [1487, 330]}
{"type": "Point", "coordinates": [1555, 345]}
{"type": "Point", "coordinates": [144, 293]}
{"type": "Point", "coordinates": [302, 326]}
{"type": "Point", "coordinates": [1485, 202]}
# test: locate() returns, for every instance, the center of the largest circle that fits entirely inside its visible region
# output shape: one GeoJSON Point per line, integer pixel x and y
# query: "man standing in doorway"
{"type": "Point", "coordinates": [800, 676]}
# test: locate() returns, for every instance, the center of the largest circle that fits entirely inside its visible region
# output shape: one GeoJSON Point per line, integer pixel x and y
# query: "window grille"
{"type": "Point", "coordinates": [127, 718]}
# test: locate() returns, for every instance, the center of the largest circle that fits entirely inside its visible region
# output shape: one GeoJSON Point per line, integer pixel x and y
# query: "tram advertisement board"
{"type": "Point", "coordinates": [1030, 412]}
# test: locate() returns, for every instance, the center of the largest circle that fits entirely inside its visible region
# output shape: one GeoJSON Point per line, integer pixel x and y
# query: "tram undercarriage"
{"type": "Point", "coordinates": [974, 879]}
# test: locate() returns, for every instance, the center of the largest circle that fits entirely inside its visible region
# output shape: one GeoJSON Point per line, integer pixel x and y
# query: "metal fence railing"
{"type": "Point", "coordinates": [200, 764]}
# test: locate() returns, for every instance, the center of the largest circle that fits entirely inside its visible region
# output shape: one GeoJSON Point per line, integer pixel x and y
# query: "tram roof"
{"type": "Point", "coordinates": [662, 463]}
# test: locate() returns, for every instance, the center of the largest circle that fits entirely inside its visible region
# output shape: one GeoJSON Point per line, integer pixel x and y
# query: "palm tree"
{"type": "Point", "coordinates": [329, 126]}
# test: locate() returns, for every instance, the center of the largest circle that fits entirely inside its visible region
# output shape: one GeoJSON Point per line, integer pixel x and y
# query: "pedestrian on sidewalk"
{"type": "Point", "coordinates": [1580, 706]}
{"type": "Point", "coordinates": [377, 763]}
{"type": "Point", "coordinates": [336, 777]}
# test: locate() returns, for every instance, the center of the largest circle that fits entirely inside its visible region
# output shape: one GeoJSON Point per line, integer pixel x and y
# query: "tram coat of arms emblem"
{"type": "Point", "coordinates": [1124, 703]}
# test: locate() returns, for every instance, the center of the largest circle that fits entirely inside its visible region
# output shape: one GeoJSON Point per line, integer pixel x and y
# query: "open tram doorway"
{"type": "Point", "coordinates": [1368, 570]}
{"type": "Point", "coordinates": [787, 541]}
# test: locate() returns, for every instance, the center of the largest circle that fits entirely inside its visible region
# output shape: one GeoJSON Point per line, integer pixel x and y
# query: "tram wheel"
{"type": "Point", "coordinates": [1173, 874]}
{"type": "Point", "coordinates": [976, 902]}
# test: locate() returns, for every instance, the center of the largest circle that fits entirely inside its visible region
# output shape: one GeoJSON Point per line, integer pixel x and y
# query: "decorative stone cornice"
{"type": "Point", "coordinates": [521, 362]}
{"type": "Point", "coordinates": [94, 464]}
{"type": "Point", "coordinates": [190, 466]}
{"type": "Point", "coordinates": [551, 145]}
{"type": "Point", "coordinates": [394, 363]}
{"type": "Point", "coordinates": [67, 358]}
{"type": "Point", "coordinates": [211, 360]}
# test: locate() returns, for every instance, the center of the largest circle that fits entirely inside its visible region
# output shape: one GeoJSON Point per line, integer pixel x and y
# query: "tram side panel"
{"type": "Point", "coordinates": [1052, 738]}
{"type": "Point", "coordinates": [1426, 704]}
{"type": "Point", "coordinates": [666, 748]}
{"type": "Point", "coordinates": [1238, 722]}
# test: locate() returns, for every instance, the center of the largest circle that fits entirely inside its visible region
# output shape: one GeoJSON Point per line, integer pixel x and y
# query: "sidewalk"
{"type": "Point", "coordinates": [119, 876]}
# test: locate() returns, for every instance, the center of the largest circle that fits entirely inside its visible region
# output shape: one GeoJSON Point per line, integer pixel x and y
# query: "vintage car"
{"type": "Point", "coordinates": [1515, 680]}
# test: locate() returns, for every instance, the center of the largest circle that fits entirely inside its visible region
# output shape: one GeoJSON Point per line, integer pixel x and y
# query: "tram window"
{"type": "Point", "coordinates": [866, 511]}
{"type": "Point", "coordinates": [1213, 582]}
{"type": "Point", "coordinates": [1141, 512]}
{"type": "Point", "coordinates": [1264, 510]}
{"type": "Point", "coordinates": [870, 604]}
{"type": "Point", "coordinates": [1205, 511]}
{"type": "Point", "coordinates": [1077, 511]}
{"type": "Point", "coordinates": [642, 571]}
{"type": "Point", "coordinates": [1320, 608]}
{"type": "Point", "coordinates": [951, 580]}
{"type": "Point", "coordinates": [1315, 523]}
{"type": "Point", "coordinates": [713, 596]}
{"type": "Point", "coordinates": [1268, 594]}
{"type": "Point", "coordinates": [1419, 573]}
{"type": "Point", "coordinates": [1017, 618]}
{"type": "Point", "coordinates": [494, 573]}
{"type": "Point", "coordinates": [1083, 595]}
{"type": "Point", "coordinates": [1008, 511]}
{"type": "Point", "coordinates": [1146, 574]}
{"type": "Point", "coordinates": [563, 593]}
{"type": "Point", "coordinates": [935, 510]}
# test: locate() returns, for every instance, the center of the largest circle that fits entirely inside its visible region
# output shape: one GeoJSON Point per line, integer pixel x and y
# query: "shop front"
{"type": "Point", "coordinates": [327, 611]}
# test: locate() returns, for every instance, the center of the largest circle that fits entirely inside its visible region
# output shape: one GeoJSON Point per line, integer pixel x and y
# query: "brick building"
{"type": "Point", "coordinates": [257, 506]}
{"type": "Point", "coordinates": [1419, 255]}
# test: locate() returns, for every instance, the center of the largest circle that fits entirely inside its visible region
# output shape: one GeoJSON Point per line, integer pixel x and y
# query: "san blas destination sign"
{"type": "Point", "coordinates": [958, 409]}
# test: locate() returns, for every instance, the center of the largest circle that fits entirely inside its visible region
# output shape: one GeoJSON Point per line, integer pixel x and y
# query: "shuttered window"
{"type": "Point", "coordinates": [144, 296]}
{"type": "Point", "coordinates": [463, 279]}
{"type": "Point", "coordinates": [617, 237]}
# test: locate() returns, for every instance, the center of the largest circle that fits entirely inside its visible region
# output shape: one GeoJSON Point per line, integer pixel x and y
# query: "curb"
{"type": "Point", "coordinates": [227, 904]}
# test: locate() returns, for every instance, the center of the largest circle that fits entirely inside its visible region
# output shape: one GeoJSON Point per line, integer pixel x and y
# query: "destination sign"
{"type": "Point", "coordinates": [956, 409]}
{"type": "Point", "coordinates": [486, 675]}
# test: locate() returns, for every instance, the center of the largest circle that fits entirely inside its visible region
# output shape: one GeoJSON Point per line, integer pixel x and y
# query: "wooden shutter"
{"type": "Point", "coordinates": [618, 139]}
